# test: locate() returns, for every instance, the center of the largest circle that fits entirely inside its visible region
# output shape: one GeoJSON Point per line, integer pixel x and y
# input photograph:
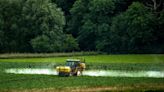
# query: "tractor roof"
{"type": "Point", "coordinates": [75, 60]}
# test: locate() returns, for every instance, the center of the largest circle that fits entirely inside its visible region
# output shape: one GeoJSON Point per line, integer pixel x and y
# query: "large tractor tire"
{"type": "Point", "coordinates": [64, 74]}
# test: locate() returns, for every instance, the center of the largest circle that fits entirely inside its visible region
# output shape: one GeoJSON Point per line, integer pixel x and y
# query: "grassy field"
{"type": "Point", "coordinates": [18, 82]}
{"type": "Point", "coordinates": [97, 59]}
{"type": "Point", "coordinates": [49, 83]}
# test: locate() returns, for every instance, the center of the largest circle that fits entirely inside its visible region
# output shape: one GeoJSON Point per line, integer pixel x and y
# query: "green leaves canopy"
{"type": "Point", "coordinates": [31, 25]}
{"type": "Point", "coordinates": [112, 26]}
{"type": "Point", "coordinates": [132, 31]}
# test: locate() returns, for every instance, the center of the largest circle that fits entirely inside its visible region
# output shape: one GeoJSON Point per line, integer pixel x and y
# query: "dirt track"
{"type": "Point", "coordinates": [92, 89]}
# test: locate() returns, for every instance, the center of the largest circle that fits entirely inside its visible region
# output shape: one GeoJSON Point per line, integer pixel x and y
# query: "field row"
{"type": "Point", "coordinates": [97, 59]}
{"type": "Point", "coordinates": [11, 81]}
{"type": "Point", "coordinates": [89, 66]}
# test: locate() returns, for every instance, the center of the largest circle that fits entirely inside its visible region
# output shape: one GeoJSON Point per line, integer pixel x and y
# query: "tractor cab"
{"type": "Point", "coordinates": [72, 63]}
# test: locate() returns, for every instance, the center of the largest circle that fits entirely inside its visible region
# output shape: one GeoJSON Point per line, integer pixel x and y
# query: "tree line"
{"type": "Point", "coordinates": [111, 26]}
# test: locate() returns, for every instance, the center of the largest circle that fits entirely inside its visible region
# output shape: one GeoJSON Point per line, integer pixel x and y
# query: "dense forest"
{"type": "Point", "coordinates": [111, 26]}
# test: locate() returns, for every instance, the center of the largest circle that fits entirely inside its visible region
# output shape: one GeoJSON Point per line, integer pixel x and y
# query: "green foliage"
{"type": "Point", "coordinates": [132, 31]}
{"type": "Point", "coordinates": [93, 15]}
{"type": "Point", "coordinates": [104, 11]}
{"type": "Point", "coordinates": [41, 44]}
{"type": "Point", "coordinates": [1, 41]}
{"type": "Point", "coordinates": [87, 36]}
{"type": "Point", "coordinates": [9, 22]}
{"type": "Point", "coordinates": [78, 11]}
{"type": "Point", "coordinates": [70, 44]}
{"type": "Point", "coordinates": [46, 22]}
{"type": "Point", "coordinates": [29, 24]}
{"type": "Point", "coordinates": [106, 25]}
{"type": "Point", "coordinates": [121, 5]}
{"type": "Point", "coordinates": [101, 7]}
{"type": "Point", "coordinates": [112, 26]}
{"type": "Point", "coordinates": [66, 5]}
{"type": "Point", "coordinates": [159, 44]}
{"type": "Point", "coordinates": [54, 44]}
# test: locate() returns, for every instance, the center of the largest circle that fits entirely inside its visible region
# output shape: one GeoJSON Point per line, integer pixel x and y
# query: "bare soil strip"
{"type": "Point", "coordinates": [143, 87]}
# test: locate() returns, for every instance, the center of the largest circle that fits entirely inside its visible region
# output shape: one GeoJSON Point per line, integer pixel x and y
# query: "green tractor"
{"type": "Point", "coordinates": [74, 67]}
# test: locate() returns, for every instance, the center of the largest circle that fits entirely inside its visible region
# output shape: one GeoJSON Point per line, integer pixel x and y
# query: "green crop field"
{"type": "Point", "coordinates": [152, 58]}
{"type": "Point", "coordinates": [51, 83]}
